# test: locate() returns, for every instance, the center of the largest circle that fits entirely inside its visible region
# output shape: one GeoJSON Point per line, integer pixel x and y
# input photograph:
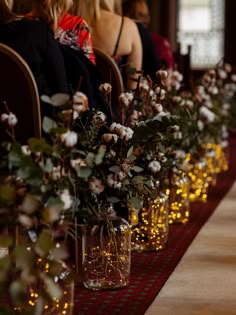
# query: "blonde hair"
{"type": "Point", "coordinates": [90, 10]}
{"type": "Point", "coordinates": [51, 11]}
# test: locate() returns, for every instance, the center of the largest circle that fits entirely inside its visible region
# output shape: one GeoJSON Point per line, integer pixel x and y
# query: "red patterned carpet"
{"type": "Point", "coordinates": [150, 270]}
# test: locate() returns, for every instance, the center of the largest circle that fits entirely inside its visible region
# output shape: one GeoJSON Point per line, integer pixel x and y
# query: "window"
{"type": "Point", "coordinates": [201, 25]}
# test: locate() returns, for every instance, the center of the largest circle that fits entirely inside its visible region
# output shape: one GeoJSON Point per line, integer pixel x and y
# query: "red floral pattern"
{"type": "Point", "coordinates": [74, 32]}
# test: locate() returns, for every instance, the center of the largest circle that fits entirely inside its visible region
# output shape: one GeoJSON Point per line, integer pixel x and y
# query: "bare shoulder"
{"type": "Point", "coordinates": [130, 25]}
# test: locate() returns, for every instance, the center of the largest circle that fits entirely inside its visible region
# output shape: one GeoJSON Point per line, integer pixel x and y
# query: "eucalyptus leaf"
{"type": "Point", "coordinates": [136, 203]}
{"type": "Point", "coordinates": [101, 153]}
{"type": "Point", "coordinates": [52, 288]}
{"type": "Point", "coordinates": [137, 169]}
{"type": "Point", "coordinates": [48, 124]}
{"type": "Point", "coordinates": [44, 243]}
{"type": "Point", "coordinates": [40, 145]}
{"type": "Point", "coordinates": [114, 169]}
{"type": "Point", "coordinates": [90, 159]}
{"type": "Point", "coordinates": [84, 172]}
{"type": "Point", "coordinates": [130, 151]}
{"type": "Point", "coordinates": [113, 199]}
{"type": "Point", "coordinates": [7, 195]}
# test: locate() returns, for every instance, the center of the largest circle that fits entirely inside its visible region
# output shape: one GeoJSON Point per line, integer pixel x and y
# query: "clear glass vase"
{"type": "Point", "coordinates": [106, 253]}
{"type": "Point", "coordinates": [197, 172]}
{"type": "Point", "coordinates": [37, 302]}
{"type": "Point", "coordinates": [150, 224]}
{"type": "Point", "coordinates": [178, 195]}
{"type": "Point", "coordinates": [210, 157]}
{"type": "Point", "coordinates": [222, 156]}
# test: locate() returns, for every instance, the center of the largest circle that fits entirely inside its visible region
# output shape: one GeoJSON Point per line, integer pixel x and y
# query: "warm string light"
{"type": "Point", "coordinates": [210, 157]}
{"type": "Point", "coordinates": [178, 195]}
{"type": "Point", "coordinates": [55, 306]}
{"type": "Point", "coordinates": [222, 157]}
{"type": "Point", "coordinates": [106, 257]}
{"type": "Point", "coordinates": [197, 173]}
{"type": "Point", "coordinates": [150, 227]}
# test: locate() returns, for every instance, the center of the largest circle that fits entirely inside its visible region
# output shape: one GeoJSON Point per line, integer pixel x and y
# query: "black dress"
{"type": "Point", "coordinates": [34, 41]}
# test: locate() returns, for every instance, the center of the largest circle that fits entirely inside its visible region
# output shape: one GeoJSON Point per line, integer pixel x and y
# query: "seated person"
{"type": "Point", "coordinates": [34, 41]}
{"type": "Point", "coordinates": [138, 10]}
{"type": "Point", "coordinates": [151, 59]}
{"type": "Point", "coordinates": [69, 30]}
{"type": "Point", "coordinates": [115, 35]}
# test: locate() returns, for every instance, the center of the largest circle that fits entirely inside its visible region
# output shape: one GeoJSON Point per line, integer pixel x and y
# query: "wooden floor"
{"type": "Point", "coordinates": [204, 282]}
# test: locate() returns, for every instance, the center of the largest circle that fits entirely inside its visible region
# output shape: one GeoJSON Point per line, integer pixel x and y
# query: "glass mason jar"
{"type": "Point", "coordinates": [150, 225]}
{"type": "Point", "coordinates": [106, 260]}
{"type": "Point", "coordinates": [197, 173]}
{"type": "Point", "coordinates": [178, 195]}
{"type": "Point", "coordinates": [63, 304]}
{"type": "Point", "coordinates": [222, 155]}
{"type": "Point", "coordinates": [210, 157]}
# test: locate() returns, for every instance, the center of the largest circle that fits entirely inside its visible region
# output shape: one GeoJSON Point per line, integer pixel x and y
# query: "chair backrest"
{"type": "Point", "coordinates": [183, 64]}
{"type": "Point", "coordinates": [110, 74]}
{"type": "Point", "coordinates": [19, 90]}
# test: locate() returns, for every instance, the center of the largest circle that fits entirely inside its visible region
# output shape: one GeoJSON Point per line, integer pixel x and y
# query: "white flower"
{"type": "Point", "coordinates": [162, 73]}
{"type": "Point", "coordinates": [12, 120]}
{"type": "Point", "coordinates": [4, 117]}
{"type": "Point", "coordinates": [233, 77]}
{"type": "Point", "coordinates": [105, 88]}
{"type": "Point", "coordinates": [180, 154]}
{"type": "Point", "coordinates": [110, 138]}
{"type": "Point", "coordinates": [26, 221]}
{"type": "Point", "coordinates": [57, 172]}
{"type": "Point", "coordinates": [126, 98]}
{"type": "Point", "coordinates": [25, 150]}
{"type": "Point", "coordinates": [207, 114]}
{"type": "Point", "coordinates": [189, 104]}
{"type": "Point", "coordinates": [96, 186]}
{"type": "Point", "coordinates": [154, 166]}
{"type": "Point", "coordinates": [200, 125]}
{"type": "Point", "coordinates": [76, 163]}
{"type": "Point", "coordinates": [157, 108]}
{"type": "Point", "coordinates": [69, 138]}
{"type": "Point", "coordinates": [66, 199]}
{"type": "Point", "coordinates": [222, 74]}
{"type": "Point", "coordinates": [174, 128]}
{"type": "Point", "coordinates": [80, 102]}
{"type": "Point", "coordinates": [112, 181]}
{"type": "Point", "coordinates": [99, 118]}
{"type": "Point", "coordinates": [177, 99]}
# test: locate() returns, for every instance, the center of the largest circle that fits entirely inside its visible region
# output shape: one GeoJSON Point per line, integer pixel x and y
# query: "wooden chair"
{"type": "Point", "coordinates": [110, 74]}
{"type": "Point", "coordinates": [19, 90]}
{"type": "Point", "coordinates": [183, 65]}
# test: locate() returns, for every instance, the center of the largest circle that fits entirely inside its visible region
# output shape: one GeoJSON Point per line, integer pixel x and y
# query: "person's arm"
{"type": "Point", "coordinates": [55, 68]}
{"type": "Point", "coordinates": [134, 59]}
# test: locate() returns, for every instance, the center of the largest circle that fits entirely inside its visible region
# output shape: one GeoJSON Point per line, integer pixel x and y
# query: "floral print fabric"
{"type": "Point", "coordinates": [73, 31]}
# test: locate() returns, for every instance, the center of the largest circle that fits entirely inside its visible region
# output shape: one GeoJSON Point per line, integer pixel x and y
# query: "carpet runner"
{"type": "Point", "coordinates": [150, 270]}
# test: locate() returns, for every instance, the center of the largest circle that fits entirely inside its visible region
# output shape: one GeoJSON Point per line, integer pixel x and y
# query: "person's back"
{"type": "Point", "coordinates": [35, 42]}
{"type": "Point", "coordinates": [139, 10]}
{"type": "Point", "coordinates": [117, 36]}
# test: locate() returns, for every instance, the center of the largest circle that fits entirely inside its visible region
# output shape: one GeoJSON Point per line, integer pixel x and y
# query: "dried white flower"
{"type": "Point", "coordinates": [4, 117]}
{"type": "Point", "coordinates": [105, 88]}
{"type": "Point", "coordinates": [12, 120]}
{"type": "Point", "coordinates": [110, 138]}
{"type": "Point", "coordinates": [66, 199]}
{"type": "Point", "coordinates": [207, 114]}
{"type": "Point", "coordinates": [69, 138]}
{"type": "Point", "coordinates": [154, 166]}
{"type": "Point", "coordinates": [126, 98]}
{"type": "Point", "coordinates": [80, 102]}
{"type": "Point", "coordinates": [25, 150]}
{"type": "Point", "coordinates": [99, 118]}
{"type": "Point", "coordinates": [96, 186]}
